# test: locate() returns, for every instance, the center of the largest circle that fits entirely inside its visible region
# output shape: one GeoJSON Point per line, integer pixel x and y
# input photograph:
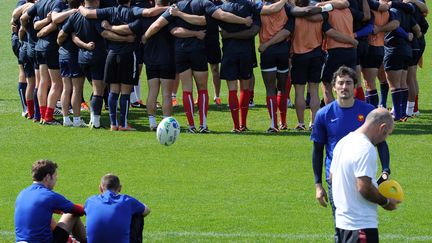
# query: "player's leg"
{"type": "Point", "coordinates": [233, 103]}
{"type": "Point", "coordinates": [174, 91]}
{"type": "Point", "coordinates": [56, 89]}
{"type": "Point", "coordinates": [45, 83]}
{"type": "Point", "coordinates": [69, 224]}
{"type": "Point", "coordinates": [384, 87]}
{"type": "Point", "coordinates": [268, 71]}
{"type": "Point", "coordinates": [282, 97]}
{"type": "Point", "coordinates": [153, 91]}
{"type": "Point", "coordinates": [393, 71]}
{"type": "Point", "coordinates": [77, 90]}
{"type": "Point", "coordinates": [369, 75]}
{"type": "Point", "coordinates": [201, 78]}
{"type": "Point", "coordinates": [137, 227]}
{"type": "Point", "coordinates": [188, 101]}
{"type": "Point", "coordinates": [216, 82]}
{"type": "Point", "coordinates": [66, 100]}
{"type": "Point", "coordinates": [168, 76]}
{"type": "Point", "coordinates": [37, 113]}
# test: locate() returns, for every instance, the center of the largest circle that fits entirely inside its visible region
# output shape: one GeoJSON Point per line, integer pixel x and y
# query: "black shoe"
{"type": "Point", "coordinates": [53, 122]}
{"type": "Point", "coordinates": [272, 130]}
{"type": "Point", "coordinates": [244, 129]}
{"type": "Point", "coordinates": [138, 105]}
{"type": "Point", "coordinates": [204, 130]}
{"type": "Point", "coordinates": [192, 130]}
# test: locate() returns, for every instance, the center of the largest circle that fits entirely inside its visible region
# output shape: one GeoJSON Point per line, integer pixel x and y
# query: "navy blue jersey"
{"type": "Point", "coordinates": [31, 38]}
{"type": "Point", "coordinates": [17, 22]}
{"type": "Point", "coordinates": [41, 9]}
{"type": "Point", "coordinates": [88, 30]}
{"type": "Point", "coordinates": [242, 8]}
{"type": "Point", "coordinates": [333, 122]}
{"type": "Point", "coordinates": [212, 33]}
{"type": "Point", "coordinates": [67, 49]}
{"type": "Point", "coordinates": [108, 3]}
{"type": "Point", "coordinates": [194, 7]}
{"type": "Point", "coordinates": [118, 16]}
{"type": "Point", "coordinates": [34, 208]}
{"type": "Point", "coordinates": [356, 8]}
{"type": "Point", "coordinates": [393, 43]}
{"type": "Point", "coordinates": [420, 18]}
{"type": "Point", "coordinates": [159, 49]}
{"type": "Point", "coordinates": [108, 217]}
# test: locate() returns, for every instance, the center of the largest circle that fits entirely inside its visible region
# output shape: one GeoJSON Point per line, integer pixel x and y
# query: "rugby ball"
{"type": "Point", "coordinates": [391, 189]}
{"type": "Point", "coordinates": [168, 131]}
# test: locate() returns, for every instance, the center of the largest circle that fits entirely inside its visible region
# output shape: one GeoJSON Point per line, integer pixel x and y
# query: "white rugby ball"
{"type": "Point", "coordinates": [168, 131]}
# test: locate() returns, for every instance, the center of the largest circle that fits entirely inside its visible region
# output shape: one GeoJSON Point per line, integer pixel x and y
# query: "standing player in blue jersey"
{"type": "Point", "coordinates": [36, 204]}
{"type": "Point", "coordinates": [111, 210]}
{"type": "Point", "coordinates": [333, 122]}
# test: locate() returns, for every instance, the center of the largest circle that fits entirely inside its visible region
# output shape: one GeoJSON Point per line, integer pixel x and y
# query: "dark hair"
{"type": "Point", "coordinates": [110, 182]}
{"type": "Point", "coordinates": [121, 2]}
{"type": "Point", "coordinates": [302, 3]}
{"type": "Point", "coordinates": [43, 167]}
{"type": "Point", "coordinates": [74, 3]}
{"type": "Point", "coordinates": [163, 2]}
{"type": "Point", "coordinates": [345, 71]}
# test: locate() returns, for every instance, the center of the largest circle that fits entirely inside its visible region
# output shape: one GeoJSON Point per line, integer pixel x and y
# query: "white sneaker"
{"type": "Point", "coordinates": [80, 124]}
{"type": "Point", "coordinates": [417, 113]}
{"type": "Point", "coordinates": [67, 122]}
{"type": "Point", "coordinates": [57, 111]}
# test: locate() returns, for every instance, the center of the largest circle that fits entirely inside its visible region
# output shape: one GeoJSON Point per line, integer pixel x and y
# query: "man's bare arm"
{"type": "Point", "coordinates": [273, 8]}
{"type": "Point", "coordinates": [282, 35]}
{"type": "Point", "coordinates": [190, 18]}
{"type": "Point", "coordinates": [180, 32]}
{"type": "Point", "coordinates": [46, 30]}
{"type": "Point", "coordinates": [38, 25]}
{"type": "Point", "coordinates": [244, 34]}
{"type": "Point", "coordinates": [231, 18]}
{"type": "Point", "coordinates": [109, 35]}
{"type": "Point", "coordinates": [371, 193]}
{"type": "Point", "coordinates": [155, 11]}
{"type": "Point", "coordinates": [88, 13]}
{"type": "Point", "coordinates": [81, 44]}
{"type": "Point", "coordinates": [60, 17]}
{"type": "Point", "coordinates": [338, 36]}
{"type": "Point", "coordinates": [118, 29]}
{"type": "Point", "coordinates": [154, 28]}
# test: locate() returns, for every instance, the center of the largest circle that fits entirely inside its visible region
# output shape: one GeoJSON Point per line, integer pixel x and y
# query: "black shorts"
{"type": "Point", "coordinates": [213, 52]}
{"type": "Point", "coordinates": [50, 58]}
{"type": "Point", "coordinates": [27, 62]}
{"type": "Point", "coordinates": [16, 46]}
{"type": "Point", "coordinates": [160, 71]}
{"type": "Point", "coordinates": [121, 69]}
{"type": "Point", "coordinates": [337, 57]}
{"type": "Point", "coordinates": [393, 62]}
{"type": "Point", "coordinates": [306, 69]}
{"type": "Point", "coordinates": [362, 49]}
{"type": "Point", "coordinates": [363, 235]}
{"type": "Point", "coordinates": [274, 62]}
{"type": "Point", "coordinates": [70, 68]}
{"type": "Point", "coordinates": [93, 71]}
{"type": "Point", "coordinates": [60, 235]}
{"type": "Point", "coordinates": [197, 61]}
{"type": "Point", "coordinates": [236, 67]}
{"type": "Point", "coordinates": [140, 54]}
{"type": "Point", "coordinates": [417, 52]}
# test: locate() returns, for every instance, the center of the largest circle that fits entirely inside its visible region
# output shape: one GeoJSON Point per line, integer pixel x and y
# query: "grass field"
{"type": "Point", "coordinates": [216, 187]}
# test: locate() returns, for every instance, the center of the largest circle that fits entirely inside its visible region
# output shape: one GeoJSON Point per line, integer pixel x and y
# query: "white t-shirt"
{"type": "Point", "coordinates": [354, 156]}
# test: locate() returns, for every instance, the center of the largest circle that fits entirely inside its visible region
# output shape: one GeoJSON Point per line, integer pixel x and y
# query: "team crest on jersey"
{"type": "Point", "coordinates": [360, 117]}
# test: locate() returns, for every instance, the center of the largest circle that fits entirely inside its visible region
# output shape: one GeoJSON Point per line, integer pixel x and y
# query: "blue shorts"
{"type": "Point", "coordinates": [236, 67]}
{"type": "Point", "coordinates": [374, 58]}
{"type": "Point", "coordinates": [93, 71]}
{"type": "Point", "coordinates": [362, 49]}
{"type": "Point", "coordinates": [27, 62]}
{"type": "Point", "coordinates": [337, 57]}
{"type": "Point", "coordinates": [160, 71]}
{"type": "Point", "coordinates": [16, 47]}
{"type": "Point", "coordinates": [274, 62]}
{"type": "Point", "coordinates": [417, 51]}
{"type": "Point", "coordinates": [213, 52]}
{"type": "Point", "coordinates": [394, 62]}
{"type": "Point", "coordinates": [306, 69]}
{"type": "Point", "coordinates": [197, 61]}
{"type": "Point", "coordinates": [70, 68]}
{"type": "Point", "coordinates": [50, 58]}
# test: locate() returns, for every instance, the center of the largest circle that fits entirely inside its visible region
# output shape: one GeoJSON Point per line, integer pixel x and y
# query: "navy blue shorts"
{"type": "Point", "coordinates": [361, 235]}
{"type": "Point", "coordinates": [374, 58]}
{"type": "Point", "coordinates": [362, 49]}
{"type": "Point", "coordinates": [417, 52]}
{"type": "Point", "coordinates": [337, 57]}
{"type": "Point", "coordinates": [160, 71]}
{"type": "Point", "coordinates": [213, 52]}
{"type": "Point", "coordinates": [140, 54]}
{"type": "Point", "coordinates": [236, 67]}
{"type": "Point", "coordinates": [274, 61]}
{"type": "Point", "coordinates": [27, 62]}
{"type": "Point", "coordinates": [121, 68]}
{"type": "Point", "coordinates": [197, 61]}
{"type": "Point", "coordinates": [50, 58]}
{"type": "Point", "coordinates": [394, 62]}
{"type": "Point", "coordinates": [16, 47]}
{"type": "Point", "coordinates": [70, 68]}
{"type": "Point", "coordinates": [93, 71]}
{"type": "Point", "coordinates": [306, 69]}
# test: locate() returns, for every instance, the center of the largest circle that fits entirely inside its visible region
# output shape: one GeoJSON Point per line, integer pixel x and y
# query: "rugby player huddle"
{"type": "Point", "coordinates": [63, 41]}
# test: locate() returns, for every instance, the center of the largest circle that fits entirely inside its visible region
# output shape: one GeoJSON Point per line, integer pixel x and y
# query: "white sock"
{"type": "Point", "coordinates": [152, 121]}
{"type": "Point", "coordinates": [66, 120]}
{"type": "Point", "coordinates": [96, 120]}
{"type": "Point", "coordinates": [76, 120]}
{"type": "Point", "coordinates": [133, 98]}
{"type": "Point", "coordinates": [137, 89]}
{"type": "Point", "coordinates": [173, 95]}
{"type": "Point", "coordinates": [410, 108]}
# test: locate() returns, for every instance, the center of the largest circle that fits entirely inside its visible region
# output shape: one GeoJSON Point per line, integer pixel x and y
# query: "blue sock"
{"type": "Point", "coordinates": [384, 156]}
{"type": "Point", "coordinates": [384, 92]}
{"type": "Point", "coordinates": [22, 90]}
{"type": "Point", "coordinates": [124, 109]}
{"type": "Point", "coordinates": [396, 104]}
{"type": "Point", "coordinates": [373, 98]}
{"type": "Point", "coordinates": [404, 100]}
{"type": "Point", "coordinates": [37, 114]}
{"type": "Point", "coordinates": [112, 104]}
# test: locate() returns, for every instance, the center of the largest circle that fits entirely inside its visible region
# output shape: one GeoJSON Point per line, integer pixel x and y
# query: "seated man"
{"type": "Point", "coordinates": [111, 210]}
{"type": "Point", "coordinates": [35, 205]}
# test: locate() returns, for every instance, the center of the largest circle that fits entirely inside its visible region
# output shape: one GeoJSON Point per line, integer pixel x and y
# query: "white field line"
{"type": "Point", "coordinates": [220, 235]}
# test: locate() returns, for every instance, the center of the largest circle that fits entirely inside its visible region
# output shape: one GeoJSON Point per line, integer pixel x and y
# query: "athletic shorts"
{"type": "Point", "coordinates": [362, 235]}
{"type": "Point", "coordinates": [93, 71]}
{"type": "Point", "coordinates": [306, 69]}
{"type": "Point", "coordinates": [197, 61]}
{"type": "Point", "coordinates": [50, 58]}
{"type": "Point", "coordinates": [27, 62]}
{"type": "Point", "coordinates": [393, 62]}
{"type": "Point", "coordinates": [60, 235]}
{"type": "Point", "coordinates": [160, 71]}
{"type": "Point", "coordinates": [213, 53]}
{"type": "Point", "coordinates": [70, 68]}
{"type": "Point", "coordinates": [236, 67]}
{"type": "Point", "coordinates": [417, 52]}
{"type": "Point", "coordinates": [337, 57]}
{"type": "Point", "coordinates": [16, 46]}
{"type": "Point", "coordinates": [272, 62]}
{"type": "Point", "coordinates": [140, 54]}
{"type": "Point", "coordinates": [121, 69]}
{"type": "Point", "coordinates": [362, 49]}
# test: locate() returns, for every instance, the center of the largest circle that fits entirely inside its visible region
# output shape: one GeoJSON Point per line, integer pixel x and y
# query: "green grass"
{"type": "Point", "coordinates": [215, 187]}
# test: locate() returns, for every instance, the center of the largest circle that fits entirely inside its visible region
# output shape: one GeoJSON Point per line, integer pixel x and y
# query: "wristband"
{"type": "Point", "coordinates": [327, 7]}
